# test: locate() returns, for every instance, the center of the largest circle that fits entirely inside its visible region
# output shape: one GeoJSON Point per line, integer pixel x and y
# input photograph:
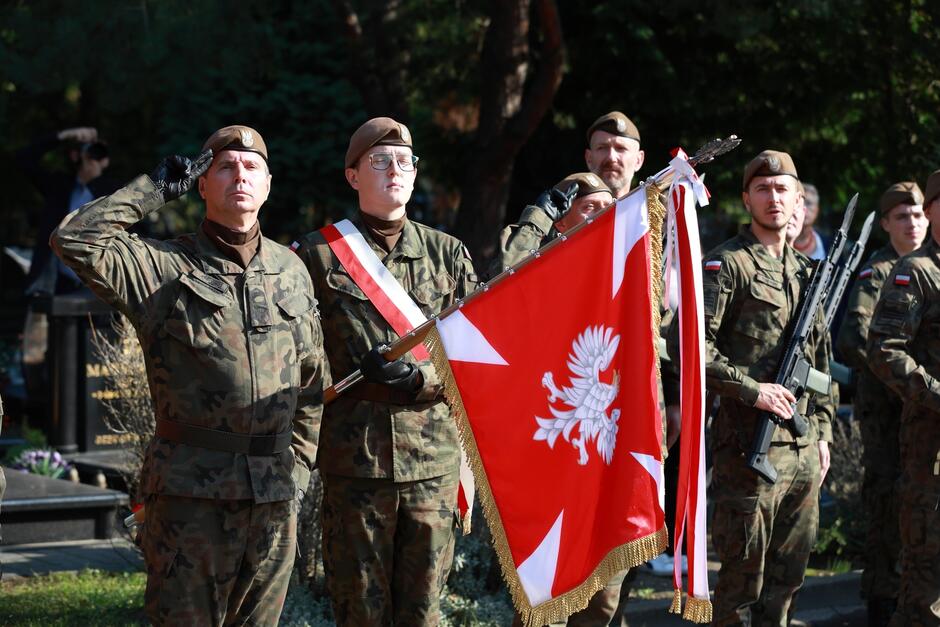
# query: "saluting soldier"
{"type": "Point", "coordinates": [876, 406]}
{"type": "Point", "coordinates": [390, 451]}
{"type": "Point", "coordinates": [228, 325]}
{"type": "Point", "coordinates": [904, 352]}
{"type": "Point", "coordinates": [753, 284]}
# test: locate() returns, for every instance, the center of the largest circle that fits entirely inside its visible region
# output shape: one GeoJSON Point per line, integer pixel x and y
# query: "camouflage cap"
{"type": "Point", "coordinates": [769, 163]}
{"type": "Point", "coordinates": [933, 188]}
{"type": "Point", "coordinates": [237, 137]}
{"type": "Point", "coordinates": [903, 193]}
{"type": "Point", "coordinates": [588, 183]}
{"type": "Point", "coordinates": [614, 123]}
{"type": "Point", "coordinates": [377, 131]}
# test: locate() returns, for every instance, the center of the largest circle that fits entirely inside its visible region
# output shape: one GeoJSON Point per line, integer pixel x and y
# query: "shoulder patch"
{"type": "Point", "coordinates": [713, 266]}
{"type": "Point", "coordinates": [295, 245]}
{"type": "Point", "coordinates": [864, 274]}
{"type": "Point", "coordinates": [902, 279]}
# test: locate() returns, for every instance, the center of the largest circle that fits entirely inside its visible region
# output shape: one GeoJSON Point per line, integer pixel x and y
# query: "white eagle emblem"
{"type": "Point", "coordinates": [248, 140]}
{"type": "Point", "coordinates": [588, 397]}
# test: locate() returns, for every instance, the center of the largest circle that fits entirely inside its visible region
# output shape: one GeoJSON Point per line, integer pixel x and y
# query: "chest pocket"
{"type": "Point", "coordinates": [294, 309]}
{"type": "Point", "coordinates": [434, 294]}
{"type": "Point", "coordinates": [198, 316]}
{"type": "Point", "coordinates": [760, 324]}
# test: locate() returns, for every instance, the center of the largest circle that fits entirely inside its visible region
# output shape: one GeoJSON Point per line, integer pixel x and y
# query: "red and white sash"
{"type": "Point", "coordinates": [396, 307]}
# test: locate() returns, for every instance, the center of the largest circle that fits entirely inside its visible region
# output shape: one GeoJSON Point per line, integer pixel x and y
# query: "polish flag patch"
{"type": "Point", "coordinates": [864, 274]}
{"type": "Point", "coordinates": [295, 246]}
{"type": "Point", "coordinates": [902, 279]}
{"type": "Point", "coordinates": [713, 266]}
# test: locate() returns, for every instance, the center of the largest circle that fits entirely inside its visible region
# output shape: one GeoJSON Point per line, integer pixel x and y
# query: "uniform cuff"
{"type": "Point", "coordinates": [153, 197]}
{"type": "Point", "coordinates": [825, 432]}
{"type": "Point", "coordinates": [536, 217]}
{"type": "Point", "coordinates": [750, 390]}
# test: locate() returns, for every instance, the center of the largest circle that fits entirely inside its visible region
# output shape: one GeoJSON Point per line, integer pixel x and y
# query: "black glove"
{"type": "Point", "coordinates": [174, 176]}
{"type": "Point", "coordinates": [397, 374]}
{"type": "Point", "coordinates": [556, 203]}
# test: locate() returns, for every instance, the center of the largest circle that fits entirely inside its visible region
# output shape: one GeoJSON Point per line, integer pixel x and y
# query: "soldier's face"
{"type": "Point", "coordinates": [906, 226]}
{"type": "Point", "coordinates": [583, 208]}
{"type": "Point", "coordinates": [933, 214]}
{"type": "Point", "coordinates": [771, 200]}
{"type": "Point", "coordinates": [615, 159]}
{"type": "Point", "coordinates": [236, 184]}
{"type": "Point", "coordinates": [795, 225]}
{"type": "Point", "coordinates": [383, 193]}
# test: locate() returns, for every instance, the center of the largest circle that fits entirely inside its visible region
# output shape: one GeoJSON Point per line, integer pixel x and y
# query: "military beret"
{"type": "Point", "coordinates": [237, 137]}
{"type": "Point", "coordinates": [588, 183]}
{"type": "Point", "coordinates": [903, 193]}
{"type": "Point", "coordinates": [769, 163]}
{"type": "Point", "coordinates": [933, 188]}
{"type": "Point", "coordinates": [614, 123]}
{"type": "Point", "coordinates": [377, 131]}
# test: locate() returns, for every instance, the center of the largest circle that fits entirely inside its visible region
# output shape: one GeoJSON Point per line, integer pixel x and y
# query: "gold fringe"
{"type": "Point", "coordinates": [676, 607]}
{"type": "Point", "coordinates": [698, 610]}
{"type": "Point", "coordinates": [656, 213]}
{"type": "Point", "coordinates": [621, 558]}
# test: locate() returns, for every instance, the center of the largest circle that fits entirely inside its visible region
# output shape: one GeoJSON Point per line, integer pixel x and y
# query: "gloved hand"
{"type": "Point", "coordinates": [174, 176]}
{"type": "Point", "coordinates": [555, 203]}
{"type": "Point", "coordinates": [397, 374]}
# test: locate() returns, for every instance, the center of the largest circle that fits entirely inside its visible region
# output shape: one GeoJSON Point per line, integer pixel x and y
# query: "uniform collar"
{"type": "Point", "coordinates": [410, 244]}
{"type": "Point", "coordinates": [264, 261]}
{"type": "Point", "coordinates": [762, 257]}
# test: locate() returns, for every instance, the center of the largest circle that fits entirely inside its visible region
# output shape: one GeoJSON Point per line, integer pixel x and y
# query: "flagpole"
{"type": "Point", "coordinates": [417, 335]}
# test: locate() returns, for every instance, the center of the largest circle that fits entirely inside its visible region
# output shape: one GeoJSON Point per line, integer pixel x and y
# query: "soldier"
{"type": "Point", "coordinates": [233, 347]}
{"type": "Point", "coordinates": [904, 352]}
{"type": "Point", "coordinates": [613, 151]}
{"type": "Point", "coordinates": [391, 476]}
{"type": "Point", "coordinates": [753, 283]}
{"type": "Point", "coordinates": [877, 408]}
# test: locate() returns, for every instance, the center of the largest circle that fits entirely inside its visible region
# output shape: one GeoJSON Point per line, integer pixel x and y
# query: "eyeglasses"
{"type": "Point", "coordinates": [383, 161]}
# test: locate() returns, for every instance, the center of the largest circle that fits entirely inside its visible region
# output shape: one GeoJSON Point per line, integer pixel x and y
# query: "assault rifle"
{"type": "Point", "coordinates": [840, 280]}
{"type": "Point", "coordinates": [796, 373]}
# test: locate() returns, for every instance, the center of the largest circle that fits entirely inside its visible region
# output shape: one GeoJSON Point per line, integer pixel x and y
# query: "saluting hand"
{"type": "Point", "coordinates": [776, 399]}
{"type": "Point", "coordinates": [556, 203]}
{"type": "Point", "coordinates": [174, 176]}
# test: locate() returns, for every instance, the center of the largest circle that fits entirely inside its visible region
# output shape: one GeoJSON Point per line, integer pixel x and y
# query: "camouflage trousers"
{"type": "Point", "coordinates": [388, 548]}
{"type": "Point", "coordinates": [763, 533]}
{"type": "Point", "coordinates": [879, 421]}
{"type": "Point", "coordinates": [212, 562]}
{"type": "Point", "coordinates": [919, 595]}
{"type": "Point", "coordinates": [601, 608]}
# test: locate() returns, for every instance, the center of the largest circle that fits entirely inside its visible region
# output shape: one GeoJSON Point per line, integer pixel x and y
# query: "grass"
{"type": "Point", "coordinates": [87, 598]}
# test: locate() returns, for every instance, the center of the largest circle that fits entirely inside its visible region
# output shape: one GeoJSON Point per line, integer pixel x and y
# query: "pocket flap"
{"type": "Point", "coordinates": [209, 288]}
{"type": "Point", "coordinates": [344, 283]}
{"type": "Point", "coordinates": [434, 289]}
{"type": "Point", "coordinates": [296, 305]}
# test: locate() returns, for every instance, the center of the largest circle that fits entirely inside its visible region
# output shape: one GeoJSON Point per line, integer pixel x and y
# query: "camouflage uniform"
{"type": "Point", "coordinates": [227, 351]}
{"type": "Point", "coordinates": [3, 479]}
{"type": "Point", "coordinates": [878, 411]}
{"type": "Point", "coordinates": [904, 352]}
{"type": "Point", "coordinates": [762, 533]}
{"type": "Point", "coordinates": [390, 459]}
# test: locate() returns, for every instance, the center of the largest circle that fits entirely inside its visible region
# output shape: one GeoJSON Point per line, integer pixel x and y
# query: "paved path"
{"type": "Point", "coordinates": [23, 560]}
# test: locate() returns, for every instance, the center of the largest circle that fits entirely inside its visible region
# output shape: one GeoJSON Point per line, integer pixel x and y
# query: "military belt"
{"type": "Point", "coordinates": [218, 440]}
{"type": "Point", "coordinates": [378, 393]}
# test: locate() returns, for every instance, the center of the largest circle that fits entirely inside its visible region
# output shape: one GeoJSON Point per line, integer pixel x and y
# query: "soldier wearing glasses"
{"type": "Point", "coordinates": [390, 452]}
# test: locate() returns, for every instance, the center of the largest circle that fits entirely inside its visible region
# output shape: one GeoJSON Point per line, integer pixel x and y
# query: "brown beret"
{"type": "Point", "coordinates": [614, 123]}
{"type": "Point", "coordinates": [588, 183]}
{"type": "Point", "coordinates": [769, 163]}
{"type": "Point", "coordinates": [377, 131]}
{"type": "Point", "coordinates": [237, 137]}
{"type": "Point", "coordinates": [903, 193]}
{"type": "Point", "coordinates": [933, 188]}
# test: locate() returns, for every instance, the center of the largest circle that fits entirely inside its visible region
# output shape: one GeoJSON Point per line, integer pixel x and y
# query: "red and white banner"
{"type": "Point", "coordinates": [553, 376]}
{"type": "Point", "coordinates": [399, 311]}
{"type": "Point", "coordinates": [684, 251]}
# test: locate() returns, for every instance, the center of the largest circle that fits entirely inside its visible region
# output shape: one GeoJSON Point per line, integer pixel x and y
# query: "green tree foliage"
{"type": "Point", "coordinates": [849, 87]}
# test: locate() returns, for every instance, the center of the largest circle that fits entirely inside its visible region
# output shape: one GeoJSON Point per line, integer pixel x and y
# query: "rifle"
{"type": "Point", "coordinates": [846, 270]}
{"type": "Point", "coordinates": [796, 373]}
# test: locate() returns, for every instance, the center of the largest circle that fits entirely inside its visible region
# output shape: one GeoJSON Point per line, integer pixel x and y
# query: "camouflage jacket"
{"type": "Point", "coordinates": [365, 438]}
{"type": "Point", "coordinates": [904, 350]}
{"type": "Point", "coordinates": [750, 298]}
{"type": "Point", "coordinates": [226, 348]}
{"type": "Point", "coordinates": [517, 241]}
{"type": "Point", "coordinates": [853, 335]}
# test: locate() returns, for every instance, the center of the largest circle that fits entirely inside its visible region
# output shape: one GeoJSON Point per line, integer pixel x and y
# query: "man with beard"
{"type": "Point", "coordinates": [753, 283]}
{"type": "Point", "coordinates": [877, 408]}
{"type": "Point", "coordinates": [613, 151]}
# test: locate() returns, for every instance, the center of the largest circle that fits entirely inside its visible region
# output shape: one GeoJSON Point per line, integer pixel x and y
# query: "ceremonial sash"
{"type": "Point", "coordinates": [397, 308]}
{"type": "Point", "coordinates": [375, 281]}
